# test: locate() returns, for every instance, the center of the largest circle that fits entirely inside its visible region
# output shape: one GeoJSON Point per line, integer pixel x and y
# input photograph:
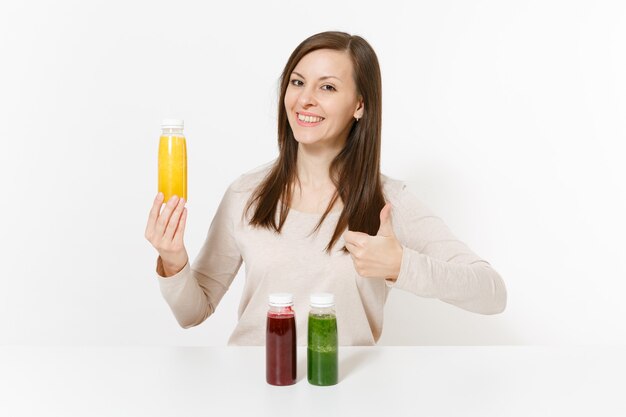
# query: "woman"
{"type": "Point", "coordinates": [321, 217]}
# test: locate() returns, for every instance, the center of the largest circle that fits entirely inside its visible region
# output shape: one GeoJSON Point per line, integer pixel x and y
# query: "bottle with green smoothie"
{"type": "Point", "coordinates": [322, 357]}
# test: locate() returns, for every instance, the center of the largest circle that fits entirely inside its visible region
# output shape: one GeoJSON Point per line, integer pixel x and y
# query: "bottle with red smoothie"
{"type": "Point", "coordinates": [280, 341]}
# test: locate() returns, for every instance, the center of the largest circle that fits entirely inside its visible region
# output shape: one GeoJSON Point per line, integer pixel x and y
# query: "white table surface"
{"type": "Point", "coordinates": [378, 381]}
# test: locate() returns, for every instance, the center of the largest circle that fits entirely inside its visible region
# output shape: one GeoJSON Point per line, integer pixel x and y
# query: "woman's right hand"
{"type": "Point", "coordinates": [165, 231]}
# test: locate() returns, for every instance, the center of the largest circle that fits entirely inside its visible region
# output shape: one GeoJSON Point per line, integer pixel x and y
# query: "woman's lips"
{"type": "Point", "coordinates": [305, 124]}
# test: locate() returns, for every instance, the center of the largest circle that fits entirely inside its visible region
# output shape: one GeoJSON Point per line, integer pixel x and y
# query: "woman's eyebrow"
{"type": "Point", "coordinates": [321, 78]}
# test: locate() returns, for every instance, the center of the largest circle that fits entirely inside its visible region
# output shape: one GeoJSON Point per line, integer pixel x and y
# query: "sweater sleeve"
{"type": "Point", "coordinates": [195, 291]}
{"type": "Point", "coordinates": [435, 264]}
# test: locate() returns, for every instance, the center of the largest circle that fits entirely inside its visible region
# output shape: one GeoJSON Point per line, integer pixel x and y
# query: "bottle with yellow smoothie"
{"type": "Point", "coordinates": [172, 160]}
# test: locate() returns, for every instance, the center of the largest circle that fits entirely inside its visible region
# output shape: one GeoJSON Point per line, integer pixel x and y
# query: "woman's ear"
{"type": "Point", "coordinates": [358, 113]}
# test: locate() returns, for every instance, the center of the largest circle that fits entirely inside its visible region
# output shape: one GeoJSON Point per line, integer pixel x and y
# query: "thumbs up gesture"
{"type": "Point", "coordinates": [377, 256]}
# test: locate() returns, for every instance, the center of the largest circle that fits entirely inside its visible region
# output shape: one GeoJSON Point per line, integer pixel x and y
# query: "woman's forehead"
{"type": "Point", "coordinates": [324, 63]}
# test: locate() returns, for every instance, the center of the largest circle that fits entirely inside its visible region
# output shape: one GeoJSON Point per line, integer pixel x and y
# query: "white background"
{"type": "Point", "coordinates": [505, 117]}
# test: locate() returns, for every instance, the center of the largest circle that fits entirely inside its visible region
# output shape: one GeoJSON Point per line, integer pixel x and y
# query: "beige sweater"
{"type": "Point", "coordinates": [434, 264]}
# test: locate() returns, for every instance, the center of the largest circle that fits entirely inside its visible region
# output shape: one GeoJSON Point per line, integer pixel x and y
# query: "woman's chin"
{"type": "Point", "coordinates": [308, 141]}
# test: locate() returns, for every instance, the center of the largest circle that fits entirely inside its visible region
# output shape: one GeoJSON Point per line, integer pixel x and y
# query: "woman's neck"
{"type": "Point", "coordinates": [313, 165]}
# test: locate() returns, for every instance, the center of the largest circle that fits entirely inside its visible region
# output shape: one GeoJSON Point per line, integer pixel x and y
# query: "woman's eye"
{"type": "Point", "coordinates": [295, 82]}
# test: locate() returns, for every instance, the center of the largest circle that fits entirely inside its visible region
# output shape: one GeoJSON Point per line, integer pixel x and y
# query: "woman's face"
{"type": "Point", "coordinates": [333, 99]}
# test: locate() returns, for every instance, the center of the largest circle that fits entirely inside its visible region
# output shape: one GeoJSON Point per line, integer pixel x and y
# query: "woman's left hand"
{"type": "Point", "coordinates": [377, 256]}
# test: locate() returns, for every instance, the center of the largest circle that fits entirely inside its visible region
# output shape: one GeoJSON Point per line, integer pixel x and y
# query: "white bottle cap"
{"type": "Point", "coordinates": [322, 300]}
{"type": "Point", "coordinates": [282, 299]}
{"type": "Point", "coordinates": [175, 123]}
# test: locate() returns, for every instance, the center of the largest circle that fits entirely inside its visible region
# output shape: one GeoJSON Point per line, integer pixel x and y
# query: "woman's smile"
{"type": "Point", "coordinates": [308, 121]}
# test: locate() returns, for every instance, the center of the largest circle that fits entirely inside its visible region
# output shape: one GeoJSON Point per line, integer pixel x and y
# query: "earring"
{"type": "Point", "coordinates": [357, 119]}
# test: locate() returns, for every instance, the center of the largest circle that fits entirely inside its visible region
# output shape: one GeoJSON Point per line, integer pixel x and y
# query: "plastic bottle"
{"type": "Point", "coordinates": [322, 346]}
{"type": "Point", "coordinates": [280, 341]}
{"type": "Point", "coordinates": [172, 160]}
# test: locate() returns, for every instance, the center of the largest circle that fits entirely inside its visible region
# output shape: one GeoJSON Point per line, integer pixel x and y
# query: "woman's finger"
{"type": "Point", "coordinates": [164, 217]}
{"type": "Point", "coordinates": [154, 214]}
{"type": "Point", "coordinates": [179, 236]}
{"type": "Point", "coordinates": [351, 247]}
{"type": "Point", "coordinates": [172, 224]}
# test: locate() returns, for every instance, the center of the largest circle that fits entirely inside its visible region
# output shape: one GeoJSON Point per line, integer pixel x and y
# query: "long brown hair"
{"type": "Point", "coordinates": [355, 171]}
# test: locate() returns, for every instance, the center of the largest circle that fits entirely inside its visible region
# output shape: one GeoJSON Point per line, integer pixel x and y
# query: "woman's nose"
{"type": "Point", "coordinates": [306, 97]}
